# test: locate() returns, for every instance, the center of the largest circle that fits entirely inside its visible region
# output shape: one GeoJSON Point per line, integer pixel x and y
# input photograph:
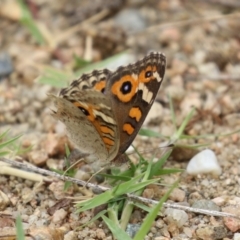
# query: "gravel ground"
{"type": "Point", "coordinates": [201, 40]}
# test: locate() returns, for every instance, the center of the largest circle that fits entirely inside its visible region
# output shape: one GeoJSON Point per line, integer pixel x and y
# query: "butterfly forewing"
{"type": "Point", "coordinates": [132, 90]}
{"type": "Point", "coordinates": [95, 80]}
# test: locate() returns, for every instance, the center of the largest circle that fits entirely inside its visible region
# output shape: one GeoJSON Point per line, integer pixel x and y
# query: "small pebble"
{"type": "Point", "coordinates": [236, 236]}
{"type": "Point", "coordinates": [176, 92]}
{"type": "Point", "coordinates": [38, 157]}
{"type": "Point", "coordinates": [199, 57]}
{"type": "Point", "coordinates": [233, 224]}
{"type": "Point", "coordinates": [100, 234]}
{"type": "Point", "coordinates": [203, 163]}
{"type": "Point", "coordinates": [4, 201]}
{"type": "Point", "coordinates": [220, 200]}
{"type": "Point", "coordinates": [179, 217]}
{"type": "Point", "coordinates": [6, 66]}
{"type": "Point", "coordinates": [177, 195]}
{"type": "Point", "coordinates": [132, 229]}
{"type": "Point", "coordinates": [188, 231]}
{"type": "Point", "coordinates": [59, 215]}
{"type": "Point", "coordinates": [71, 235]}
{"type": "Point", "coordinates": [209, 69]}
{"type": "Point", "coordinates": [205, 232]}
{"type": "Point", "coordinates": [206, 204]}
{"type": "Point", "coordinates": [220, 232]}
{"type": "Point", "coordinates": [131, 20]}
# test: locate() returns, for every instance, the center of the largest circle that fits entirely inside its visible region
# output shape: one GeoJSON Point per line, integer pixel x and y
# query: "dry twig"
{"type": "Point", "coordinates": [98, 188]}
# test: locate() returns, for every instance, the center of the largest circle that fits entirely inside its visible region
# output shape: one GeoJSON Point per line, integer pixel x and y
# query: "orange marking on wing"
{"type": "Point", "coordinates": [116, 88]}
{"type": "Point", "coordinates": [90, 116]}
{"type": "Point", "coordinates": [135, 112]}
{"type": "Point", "coordinates": [100, 129]}
{"type": "Point", "coordinates": [99, 86]}
{"type": "Point", "coordinates": [108, 141]}
{"type": "Point", "coordinates": [105, 129]}
{"type": "Point", "coordinates": [128, 128]}
{"type": "Point", "coordinates": [77, 104]}
{"type": "Point", "coordinates": [142, 77]}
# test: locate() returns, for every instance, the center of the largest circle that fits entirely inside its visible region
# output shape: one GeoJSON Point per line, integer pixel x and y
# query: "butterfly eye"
{"type": "Point", "coordinates": [84, 111]}
{"type": "Point", "coordinates": [148, 74]}
{"type": "Point", "coordinates": [103, 90]}
{"type": "Point", "coordinates": [126, 87]}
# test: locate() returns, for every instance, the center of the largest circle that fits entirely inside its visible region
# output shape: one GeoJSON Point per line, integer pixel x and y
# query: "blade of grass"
{"type": "Point", "coordinates": [4, 144]}
{"type": "Point", "coordinates": [150, 133]}
{"type": "Point", "coordinates": [102, 64]}
{"type": "Point", "coordinates": [179, 132]}
{"type": "Point", "coordinates": [148, 221]}
{"type": "Point", "coordinates": [117, 232]}
{"type": "Point", "coordinates": [167, 171]}
{"type": "Point", "coordinates": [19, 227]}
{"type": "Point", "coordinates": [210, 135]}
{"type": "Point", "coordinates": [80, 62]}
{"type": "Point", "coordinates": [123, 188]}
{"type": "Point", "coordinates": [4, 133]}
{"type": "Point", "coordinates": [117, 178]}
{"type": "Point", "coordinates": [113, 212]}
{"type": "Point", "coordinates": [55, 77]}
{"type": "Point", "coordinates": [4, 153]}
{"type": "Point", "coordinates": [29, 23]}
{"type": "Point", "coordinates": [158, 165]}
{"type": "Point", "coordinates": [67, 150]}
{"type": "Point", "coordinates": [191, 146]}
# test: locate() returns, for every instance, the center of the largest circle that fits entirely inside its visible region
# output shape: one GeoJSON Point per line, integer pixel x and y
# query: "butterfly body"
{"type": "Point", "coordinates": [103, 111]}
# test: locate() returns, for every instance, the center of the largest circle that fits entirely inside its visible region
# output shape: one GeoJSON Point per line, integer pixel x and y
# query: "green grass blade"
{"type": "Point", "coordinates": [179, 132]}
{"type": "Point", "coordinates": [20, 231]}
{"type": "Point", "coordinates": [4, 153]}
{"type": "Point", "coordinates": [210, 135]}
{"type": "Point", "coordinates": [55, 77]}
{"type": "Point", "coordinates": [80, 62]}
{"type": "Point", "coordinates": [95, 202]}
{"type": "Point", "coordinates": [150, 133]}
{"type": "Point", "coordinates": [98, 65]}
{"type": "Point", "coordinates": [29, 23]}
{"type": "Point", "coordinates": [117, 232]}
{"type": "Point", "coordinates": [156, 167]}
{"type": "Point", "coordinates": [137, 186]}
{"type": "Point", "coordinates": [147, 224]}
{"type": "Point", "coordinates": [4, 144]}
{"type": "Point", "coordinates": [132, 186]}
{"type": "Point", "coordinates": [194, 146]}
{"type": "Point", "coordinates": [117, 178]}
{"type": "Point", "coordinates": [167, 171]}
{"type": "Point", "coordinates": [67, 150]}
{"type": "Point", "coordinates": [123, 188]}
{"type": "Point", "coordinates": [4, 133]}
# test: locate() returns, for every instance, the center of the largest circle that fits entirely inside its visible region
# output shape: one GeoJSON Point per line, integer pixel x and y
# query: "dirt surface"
{"type": "Point", "coordinates": [201, 40]}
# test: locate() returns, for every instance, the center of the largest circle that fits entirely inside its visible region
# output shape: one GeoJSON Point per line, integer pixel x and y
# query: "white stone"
{"type": "Point", "coordinates": [59, 216]}
{"type": "Point", "coordinates": [236, 236]}
{"type": "Point", "coordinates": [130, 150]}
{"type": "Point", "coordinates": [199, 57]}
{"type": "Point", "coordinates": [209, 70]}
{"type": "Point", "coordinates": [204, 162]}
{"type": "Point", "coordinates": [179, 217]}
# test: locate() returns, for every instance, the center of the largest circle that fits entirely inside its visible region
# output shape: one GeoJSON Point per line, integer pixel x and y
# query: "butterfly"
{"type": "Point", "coordinates": [104, 110]}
